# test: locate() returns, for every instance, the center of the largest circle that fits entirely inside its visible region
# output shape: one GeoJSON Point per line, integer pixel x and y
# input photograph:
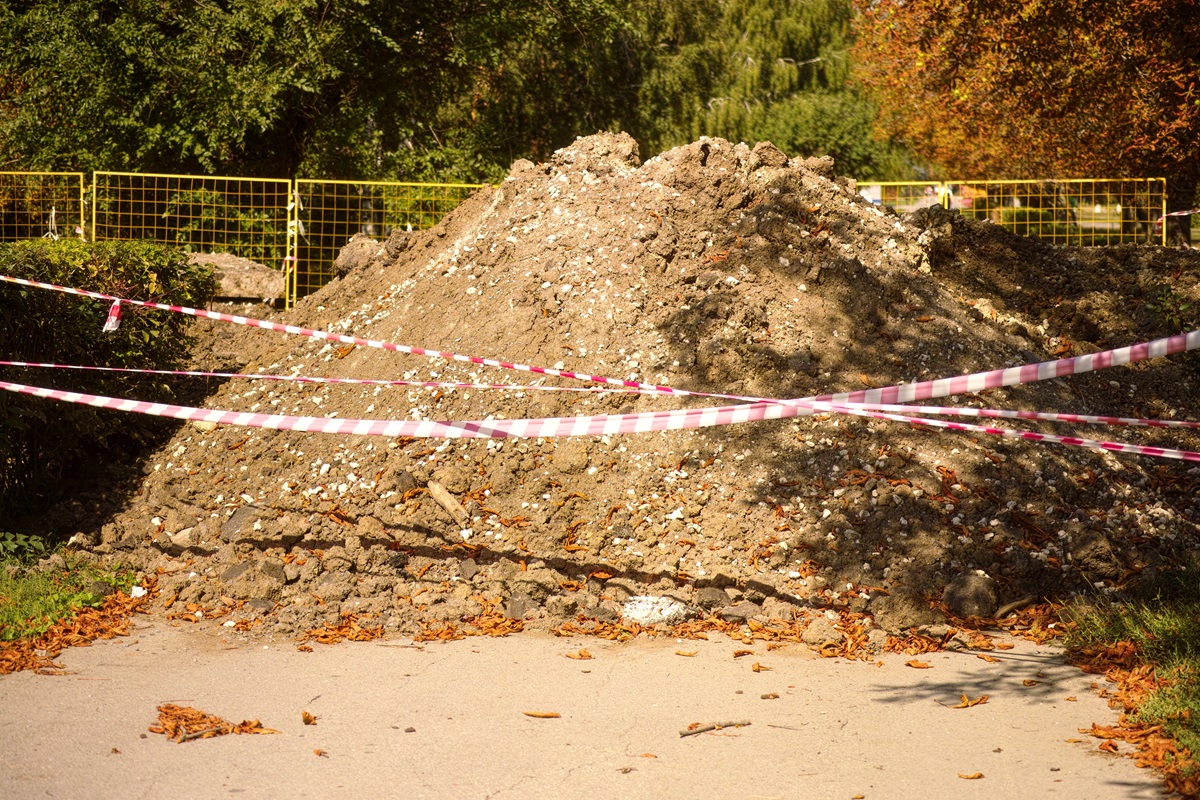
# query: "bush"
{"type": "Point", "coordinates": [42, 440]}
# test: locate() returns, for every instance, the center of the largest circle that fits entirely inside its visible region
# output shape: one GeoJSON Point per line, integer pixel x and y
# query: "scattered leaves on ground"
{"type": "Point", "coordinates": [184, 723]}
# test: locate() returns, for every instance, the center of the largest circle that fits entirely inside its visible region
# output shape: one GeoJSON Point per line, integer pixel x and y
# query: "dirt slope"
{"type": "Point", "coordinates": [713, 267]}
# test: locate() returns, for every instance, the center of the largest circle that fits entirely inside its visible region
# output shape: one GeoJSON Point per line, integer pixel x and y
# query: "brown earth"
{"type": "Point", "coordinates": [713, 267]}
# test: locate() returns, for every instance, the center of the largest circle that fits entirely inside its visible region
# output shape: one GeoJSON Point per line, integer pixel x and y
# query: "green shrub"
{"type": "Point", "coordinates": [41, 440]}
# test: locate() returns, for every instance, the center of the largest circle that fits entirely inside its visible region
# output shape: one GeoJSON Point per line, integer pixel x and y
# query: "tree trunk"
{"type": "Point", "coordinates": [1181, 196]}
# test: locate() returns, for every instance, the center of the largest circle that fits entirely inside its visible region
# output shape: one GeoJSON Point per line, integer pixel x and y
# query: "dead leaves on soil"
{"type": "Point", "coordinates": [184, 723]}
{"type": "Point", "coordinates": [349, 628]}
{"type": "Point", "coordinates": [108, 621]}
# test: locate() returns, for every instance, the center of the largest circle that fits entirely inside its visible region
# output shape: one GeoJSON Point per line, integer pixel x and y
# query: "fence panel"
{"type": "Point", "coordinates": [246, 217]}
{"type": "Point", "coordinates": [1084, 212]}
{"type": "Point", "coordinates": [330, 212]}
{"type": "Point", "coordinates": [903, 197]}
{"type": "Point", "coordinates": [35, 204]}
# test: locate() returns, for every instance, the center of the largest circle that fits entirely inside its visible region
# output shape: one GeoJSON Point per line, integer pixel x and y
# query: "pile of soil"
{"type": "Point", "coordinates": [713, 267]}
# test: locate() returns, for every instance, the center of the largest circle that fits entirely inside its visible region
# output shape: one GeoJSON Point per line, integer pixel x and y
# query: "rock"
{"type": "Point", "coordinates": [337, 560]}
{"type": "Point", "coordinates": [899, 612]}
{"type": "Point", "coordinates": [334, 586]}
{"type": "Point", "coordinates": [249, 580]}
{"type": "Point", "coordinates": [711, 597]}
{"type": "Point", "coordinates": [648, 610]}
{"type": "Point", "coordinates": [972, 595]}
{"type": "Point", "coordinates": [740, 612]}
{"type": "Point", "coordinates": [243, 520]}
{"type": "Point", "coordinates": [241, 278]}
{"type": "Point", "coordinates": [360, 251]}
{"type": "Point", "coordinates": [561, 606]}
{"type": "Point", "coordinates": [1093, 555]}
{"type": "Point", "coordinates": [771, 156]}
{"type": "Point", "coordinates": [821, 631]}
{"type": "Point", "coordinates": [518, 605]}
{"type": "Point", "coordinates": [571, 456]}
{"type": "Point", "coordinates": [468, 569]}
{"type": "Point", "coordinates": [537, 584]}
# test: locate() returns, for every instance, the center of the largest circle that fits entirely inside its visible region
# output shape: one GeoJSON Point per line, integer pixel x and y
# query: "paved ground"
{"type": "Point", "coordinates": [446, 721]}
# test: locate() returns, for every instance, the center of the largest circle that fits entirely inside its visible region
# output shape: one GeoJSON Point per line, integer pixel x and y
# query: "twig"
{"type": "Point", "coordinates": [189, 736]}
{"type": "Point", "coordinates": [713, 726]}
{"type": "Point", "coordinates": [1015, 605]}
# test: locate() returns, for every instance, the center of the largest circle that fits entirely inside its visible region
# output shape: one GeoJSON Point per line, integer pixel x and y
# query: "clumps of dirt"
{"type": "Point", "coordinates": [713, 267]}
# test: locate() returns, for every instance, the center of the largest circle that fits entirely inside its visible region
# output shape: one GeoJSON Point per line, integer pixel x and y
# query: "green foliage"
{"type": "Point", "coordinates": [1164, 626]}
{"type": "Point", "coordinates": [20, 546]}
{"type": "Point", "coordinates": [33, 599]}
{"type": "Point", "coordinates": [453, 90]}
{"type": "Point", "coordinates": [1173, 311]}
{"type": "Point", "coordinates": [40, 439]}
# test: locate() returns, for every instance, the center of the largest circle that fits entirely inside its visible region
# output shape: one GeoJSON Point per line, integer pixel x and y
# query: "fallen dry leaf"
{"type": "Point", "coordinates": [1109, 746]}
{"type": "Point", "coordinates": [1072, 699]}
{"type": "Point", "coordinates": [987, 658]}
{"type": "Point", "coordinates": [769, 696]}
{"type": "Point", "coordinates": [542, 714]}
{"type": "Point", "coordinates": [917, 664]}
{"type": "Point", "coordinates": [687, 654]}
{"type": "Point", "coordinates": [966, 702]}
{"type": "Point", "coordinates": [320, 754]}
{"type": "Point", "coordinates": [307, 718]}
{"type": "Point", "coordinates": [757, 667]}
{"type": "Point", "coordinates": [1030, 682]}
{"type": "Point", "coordinates": [184, 723]}
{"type": "Point", "coordinates": [1005, 645]}
{"type": "Point", "coordinates": [582, 655]}
{"type": "Point", "coordinates": [649, 755]}
{"type": "Point", "coordinates": [974, 776]}
{"type": "Point", "coordinates": [740, 653]}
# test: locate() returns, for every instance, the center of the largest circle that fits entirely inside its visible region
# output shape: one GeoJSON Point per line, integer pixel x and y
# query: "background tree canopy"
{"type": "Point", "coordinates": [1012, 89]}
{"type": "Point", "coordinates": [453, 89]}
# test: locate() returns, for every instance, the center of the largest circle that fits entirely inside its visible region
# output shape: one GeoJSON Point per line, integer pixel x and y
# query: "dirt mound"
{"type": "Point", "coordinates": [717, 268]}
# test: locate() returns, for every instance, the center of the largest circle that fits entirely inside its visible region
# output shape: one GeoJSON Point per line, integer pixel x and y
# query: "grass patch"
{"type": "Point", "coordinates": [33, 600]}
{"type": "Point", "coordinates": [1150, 647]}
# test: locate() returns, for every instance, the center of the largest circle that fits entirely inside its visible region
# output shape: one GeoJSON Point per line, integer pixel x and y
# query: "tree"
{"type": "Point", "coordinates": [752, 70]}
{"type": "Point", "coordinates": [420, 90]}
{"type": "Point", "coordinates": [1062, 88]}
{"type": "Point", "coordinates": [250, 87]}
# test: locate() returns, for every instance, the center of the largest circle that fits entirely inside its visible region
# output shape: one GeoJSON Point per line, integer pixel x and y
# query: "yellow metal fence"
{"type": "Point", "coordinates": [330, 212]}
{"type": "Point", "coordinates": [1081, 212]}
{"type": "Point", "coordinates": [34, 204]}
{"type": "Point", "coordinates": [247, 217]}
{"type": "Point", "coordinates": [301, 225]}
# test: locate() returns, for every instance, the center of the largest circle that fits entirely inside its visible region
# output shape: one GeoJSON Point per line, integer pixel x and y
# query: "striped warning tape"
{"type": "Point", "coordinates": [680, 419]}
{"type": "Point", "coordinates": [962, 411]}
{"type": "Point", "coordinates": [599, 425]}
{"type": "Point", "coordinates": [903, 393]}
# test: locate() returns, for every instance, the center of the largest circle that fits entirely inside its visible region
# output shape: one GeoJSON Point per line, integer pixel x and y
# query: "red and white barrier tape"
{"type": "Point", "coordinates": [923, 390]}
{"type": "Point", "coordinates": [643, 422]}
{"type": "Point", "coordinates": [961, 411]}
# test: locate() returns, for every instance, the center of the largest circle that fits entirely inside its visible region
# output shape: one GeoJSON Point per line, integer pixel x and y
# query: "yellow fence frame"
{"type": "Point", "coordinates": [330, 212]}
{"type": "Point", "coordinates": [1082, 212]}
{"type": "Point", "coordinates": [301, 224]}
{"type": "Point", "coordinates": [248, 217]}
{"type": "Point", "coordinates": [37, 204]}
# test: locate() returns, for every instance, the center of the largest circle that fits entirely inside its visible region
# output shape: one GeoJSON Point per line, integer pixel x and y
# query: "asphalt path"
{"type": "Point", "coordinates": [449, 720]}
